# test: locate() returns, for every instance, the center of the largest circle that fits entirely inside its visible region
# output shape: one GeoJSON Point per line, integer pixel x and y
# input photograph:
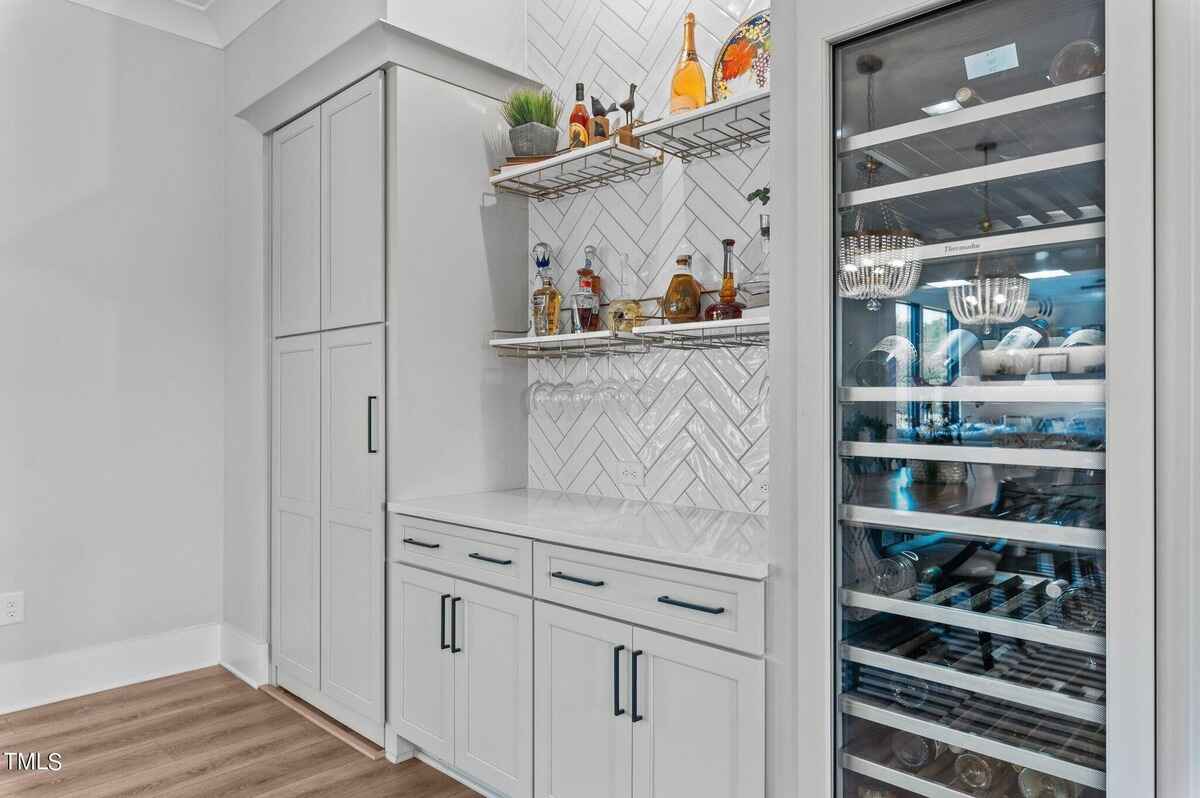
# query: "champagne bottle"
{"type": "Point", "coordinates": [687, 86]}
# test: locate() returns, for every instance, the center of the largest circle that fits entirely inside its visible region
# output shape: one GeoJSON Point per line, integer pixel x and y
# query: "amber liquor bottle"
{"type": "Point", "coordinates": [681, 303]}
{"type": "Point", "coordinates": [727, 307]}
{"type": "Point", "coordinates": [579, 123]}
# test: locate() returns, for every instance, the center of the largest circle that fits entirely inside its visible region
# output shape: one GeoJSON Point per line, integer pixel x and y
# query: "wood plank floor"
{"type": "Point", "coordinates": [199, 734]}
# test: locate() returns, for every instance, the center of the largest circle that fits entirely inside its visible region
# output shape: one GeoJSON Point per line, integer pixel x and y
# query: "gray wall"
{"type": "Point", "coordinates": [111, 308]}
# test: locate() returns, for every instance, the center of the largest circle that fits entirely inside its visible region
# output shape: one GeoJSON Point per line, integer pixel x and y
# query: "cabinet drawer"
{"type": "Point", "coordinates": [717, 609]}
{"type": "Point", "coordinates": [487, 557]}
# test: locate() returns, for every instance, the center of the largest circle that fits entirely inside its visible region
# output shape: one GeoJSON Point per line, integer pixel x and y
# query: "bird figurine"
{"type": "Point", "coordinates": [628, 105]}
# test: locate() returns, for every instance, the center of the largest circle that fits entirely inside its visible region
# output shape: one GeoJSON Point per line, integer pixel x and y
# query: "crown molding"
{"type": "Point", "coordinates": [215, 23]}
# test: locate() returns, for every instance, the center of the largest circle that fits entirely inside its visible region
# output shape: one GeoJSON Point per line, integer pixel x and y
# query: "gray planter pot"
{"type": "Point", "coordinates": [533, 138]}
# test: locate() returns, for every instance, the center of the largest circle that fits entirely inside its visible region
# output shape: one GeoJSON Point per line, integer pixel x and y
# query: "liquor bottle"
{"type": "Point", "coordinates": [687, 85]}
{"type": "Point", "coordinates": [589, 255]}
{"type": "Point", "coordinates": [727, 307]}
{"type": "Point", "coordinates": [681, 303]}
{"type": "Point", "coordinates": [623, 314]}
{"type": "Point", "coordinates": [580, 123]}
{"type": "Point", "coordinates": [585, 305]}
{"type": "Point", "coordinates": [546, 304]}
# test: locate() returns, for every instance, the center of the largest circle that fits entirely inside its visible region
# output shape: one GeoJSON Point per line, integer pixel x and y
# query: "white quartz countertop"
{"type": "Point", "coordinates": [711, 540]}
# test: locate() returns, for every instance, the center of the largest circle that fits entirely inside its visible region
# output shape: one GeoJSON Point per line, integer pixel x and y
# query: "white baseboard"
{"type": "Point", "coordinates": [244, 656]}
{"type": "Point", "coordinates": [462, 779]}
{"type": "Point", "coordinates": [33, 682]}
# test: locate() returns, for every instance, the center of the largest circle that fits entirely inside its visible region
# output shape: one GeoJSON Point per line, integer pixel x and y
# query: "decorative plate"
{"type": "Point", "coordinates": [744, 62]}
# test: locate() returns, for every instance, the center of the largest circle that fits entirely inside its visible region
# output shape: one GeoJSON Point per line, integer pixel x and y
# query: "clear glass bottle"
{"type": "Point", "coordinates": [589, 257]}
{"type": "Point", "coordinates": [976, 771]}
{"type": "Point", "coordinates": [688, 89]}
{"type": "Point", "coordinates": [727, 306]}
{"type": "Point", "coordinates": [930, 563]}
{"type": "Point", "coordinates": [681, 302]}
{"type": "Point", "coordinates": [585, 305]}
{"type": "Point", "coordinates": [914, 752]}
{"type": "Point", "coordinates": [623, 314]}
{"type": "Point", "coordinates": [546, 302]}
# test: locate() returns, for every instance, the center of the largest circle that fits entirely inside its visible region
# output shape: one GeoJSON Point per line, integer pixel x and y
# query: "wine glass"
{"type": "Point", "coordinates": [562, 398]}
{"type": "Point", "coordinates": [611, 391]}
{"type": "Point", "coordinates": [586, 390]}
{"type": "Point", "coordinates": [538, 393]}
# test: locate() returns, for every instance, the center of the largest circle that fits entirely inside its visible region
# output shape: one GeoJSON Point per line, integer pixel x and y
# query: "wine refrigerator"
{"type": "Point", "coordinates": [981, 376]}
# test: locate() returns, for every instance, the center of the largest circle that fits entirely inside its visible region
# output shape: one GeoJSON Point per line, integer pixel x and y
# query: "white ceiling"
{"type": "Point", "coordinates": [212, 22]}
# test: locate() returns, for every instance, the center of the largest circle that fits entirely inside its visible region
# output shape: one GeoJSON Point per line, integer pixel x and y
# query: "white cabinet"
{"type": "Point", "coordinates": [699, 720]}
{"type": "Point", "coordinates": [581, 712]}
{"type": "Point", "coordinates": [327, 219]}
{"type": "Point", "coordinates": [461, 675]}
{"type": "Point", "coordinates": [296, 225]}
{"type": "Point", "coordinates": [624, 711]}
{"type": "Point", "coordinates": [352, 197]}
{"type": "Point", "coordinates": [296, 508]}
{"type": "Point", "coordinates": [352, 518]}
{"type": "Point", "coordinates": [328, 523]}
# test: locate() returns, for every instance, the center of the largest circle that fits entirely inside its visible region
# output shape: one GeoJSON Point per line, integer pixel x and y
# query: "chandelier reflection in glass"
{"type": "Point", "coordinates": [881, 262]}
{"type": "Point", "coordinates": [987, 301]}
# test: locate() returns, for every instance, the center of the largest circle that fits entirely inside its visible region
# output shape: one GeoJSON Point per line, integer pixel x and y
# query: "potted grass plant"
{"type": "Point", "coordinates": [533, 119]}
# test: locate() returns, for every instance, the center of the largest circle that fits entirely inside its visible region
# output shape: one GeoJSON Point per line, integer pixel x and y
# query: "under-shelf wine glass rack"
{"type": "Point", "coordinates": [724, 334]}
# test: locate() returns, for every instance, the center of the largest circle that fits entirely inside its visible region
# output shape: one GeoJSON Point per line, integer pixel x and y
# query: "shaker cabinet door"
{"type": "Point", "coordinates": [296, 509]}
{"type": "Point", "coordinates": [352, 190]}
{"type": "Point", "coordinates": [581, 705]}
{"type": "Point", "coordinates": [493, 688]}
{"type": "Point", "coordinates": [420, 667]}
{"type": "Point", "coordinates": [352, 514]}
{"type": "Point", "coordinates": [296, 225]}
{"type": "Point", "coordinates": [701, 720]}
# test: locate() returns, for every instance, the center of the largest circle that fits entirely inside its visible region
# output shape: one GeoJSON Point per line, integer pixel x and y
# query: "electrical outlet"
{"type": "Point", "coordinates": [631, 474]}
{"type": "Point", "coordinates": [762, 487]}
{"type": "Point", "coordinates": [12, 608]}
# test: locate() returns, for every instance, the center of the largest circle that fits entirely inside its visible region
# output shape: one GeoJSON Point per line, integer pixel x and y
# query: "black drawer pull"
{"type": "Point", "coordinates": [689, 606]}
{"type": "Point", "coordinates": [579, 580]}
{"type": "Point", "coordinates": [422, 544]}
{"type": "Point", "coordinates": [445, 645]}
{"type": "Point", "coordinates": [454, 649]}
{"type": "Point", "coordinates": [494, 561]}
{"type": "Point", "coordinates": [617, 711]}
{"type": "Point", "coordinates": [633, 673]}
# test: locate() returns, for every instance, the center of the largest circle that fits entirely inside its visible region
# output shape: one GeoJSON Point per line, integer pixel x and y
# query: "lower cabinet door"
{"type": "Point", "coordinates": [420, 669]}
{"type": "Point", "coordinates": [581, 705]}
{"type": "Point", "coordinates": [700, 728]}
{"type": "Point", "coordinates": [493, 688]}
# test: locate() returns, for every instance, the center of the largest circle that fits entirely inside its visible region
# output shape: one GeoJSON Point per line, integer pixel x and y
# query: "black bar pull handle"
{"type": "Point", "coordinates": [454, 649]}
{"type": "Point", "coordinates": [689, 606]}
{"type": "Point", "coordinates": [617, 711]}
{"type": "Point", "coordinates": [372, 444]}
{"type": "Point", "coordinates": [579, 580]}
{"type": "Point", "coordinates": [633, 673]}
{"type": "Point", "coordinates": [422, 544]}
{"type": "Point", "coordinates": [477, 556]}
{"type": "Point", "coordinates": [445, 645]}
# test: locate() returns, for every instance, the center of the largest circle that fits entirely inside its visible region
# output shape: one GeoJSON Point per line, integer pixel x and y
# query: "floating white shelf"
{"type": "Point", "coordinates": [726, 126]}
{"type": "Point", "coordinates": [567, 345]}
{"type": "Point", "coordinates": [1000, 455]}
{"type": "Point", "coordinates": [1042, 98]}
{"type": "Point", "coordinates": [727, 333]}
{"type": "Point", "coordinates": [1073, 391]}
{"type": "Point", "coordinates": [974, 525]}
{"type": "Point", "coordinates": [578, 171]}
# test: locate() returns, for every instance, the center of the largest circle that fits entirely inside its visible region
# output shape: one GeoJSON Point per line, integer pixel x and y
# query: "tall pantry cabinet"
{"type": "Point", "coordinates": [328, 461]}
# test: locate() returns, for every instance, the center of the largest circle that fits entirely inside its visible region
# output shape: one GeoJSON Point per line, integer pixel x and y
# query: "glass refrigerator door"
{"type": "Point", "coordinates": [969, 272]}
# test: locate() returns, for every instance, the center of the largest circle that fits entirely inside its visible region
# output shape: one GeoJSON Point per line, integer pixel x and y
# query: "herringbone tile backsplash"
{"type": "Point", "coordinates": [700, 428]}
